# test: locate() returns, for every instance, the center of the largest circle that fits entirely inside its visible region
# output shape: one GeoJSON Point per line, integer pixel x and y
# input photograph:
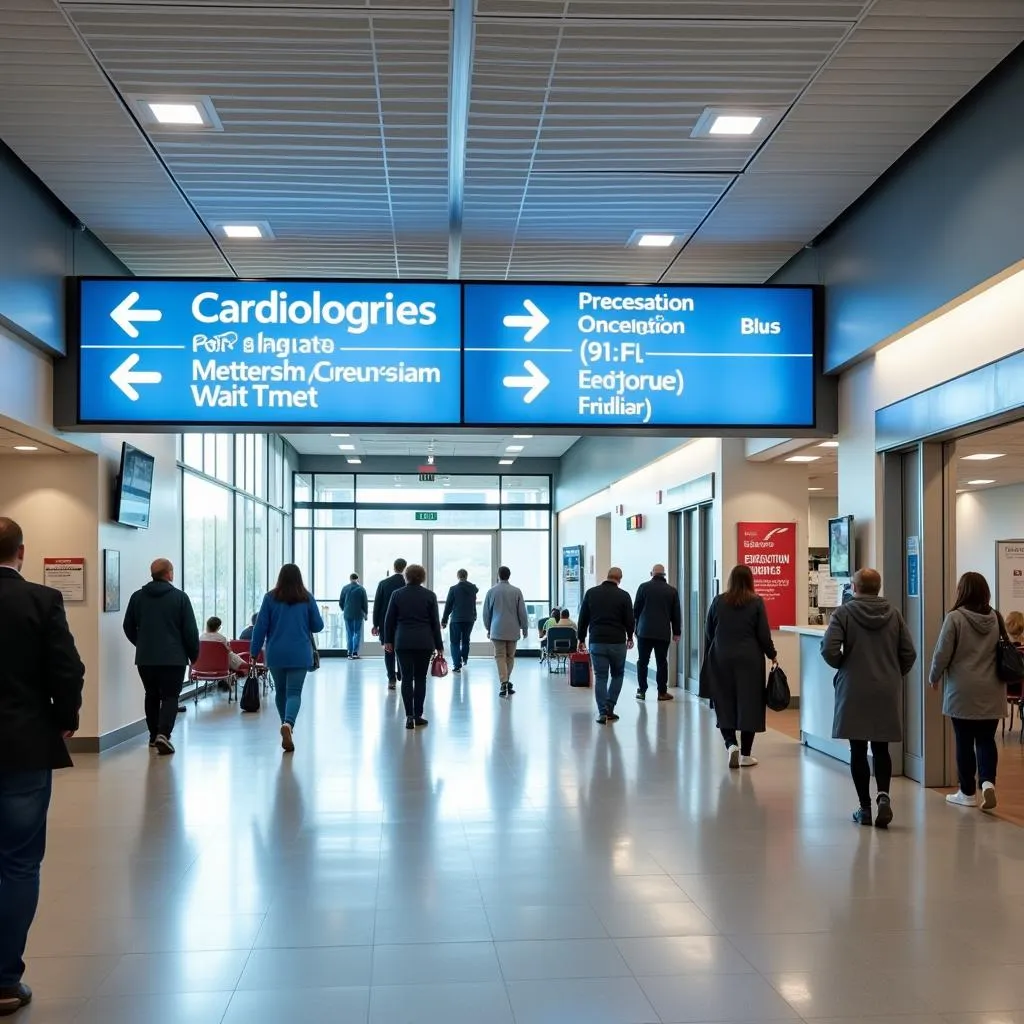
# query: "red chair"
{"type": "Point", "coordinates": [212, 666]}
{"type": "Point", "coordinates": [243, 647]}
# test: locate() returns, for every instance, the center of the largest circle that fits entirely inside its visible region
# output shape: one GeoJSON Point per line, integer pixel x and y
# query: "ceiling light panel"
{"type": "Point", "coordinates": [803, 458]}
{"type": "Point", "coordinates": [983, 457]}
{"type": "Point", "coordinates": [979, 483]}
{"type": "Point", "coordinates": [176, 113]}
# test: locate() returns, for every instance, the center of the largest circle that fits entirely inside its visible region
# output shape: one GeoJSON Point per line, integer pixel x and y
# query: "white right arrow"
{"type": "Point", "coordinates": [126, 375]}
{"type": "Point", "coordinates": [537, 381]}
{"type": "Point", "coordinates": [125, 315]}
{"type": "Point", "coordinates": [533, 319]}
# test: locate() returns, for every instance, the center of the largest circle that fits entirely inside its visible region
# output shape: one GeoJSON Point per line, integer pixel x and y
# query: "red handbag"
{"type": "Point", "coordinates": [439, 667]}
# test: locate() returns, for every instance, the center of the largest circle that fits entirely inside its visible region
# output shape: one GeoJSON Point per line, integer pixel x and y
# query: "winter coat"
{"type": "Point", "coordinates": [966, 653]}
{"type": "Point", "coordinates": [354, 605]}
{"type": "Point", "coordinates": [412, 622]}
{"type": "Point", "coordinates": [656, 610]}
{"type": "Point", "coordinates": [736, 642]}
{"type": "Point", "coordinates": [869, 644]}
{"type": "Point", "coordinates": [161, 624]}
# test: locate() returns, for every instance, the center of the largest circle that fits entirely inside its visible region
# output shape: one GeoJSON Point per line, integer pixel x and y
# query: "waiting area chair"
{"type": "Point", "coordinates": [559, 643]}
{"type": "Point", "coordinates": [243, 647]}
{"type": "Point", "coordinates": [212, 666]}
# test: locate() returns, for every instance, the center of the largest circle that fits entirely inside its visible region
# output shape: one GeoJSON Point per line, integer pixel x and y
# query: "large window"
{"type": "Point", "coordinates": [346, 523]}
{"type": "Point", "coordinates": [236, 498]}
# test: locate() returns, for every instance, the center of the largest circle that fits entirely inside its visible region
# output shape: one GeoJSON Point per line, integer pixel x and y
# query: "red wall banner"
{"type": "Point", "coordinates": [770, 551]}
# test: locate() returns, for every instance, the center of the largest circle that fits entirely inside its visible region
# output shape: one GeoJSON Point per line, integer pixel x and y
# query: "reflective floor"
{"type": "Point", "coordinates": [512, 862]}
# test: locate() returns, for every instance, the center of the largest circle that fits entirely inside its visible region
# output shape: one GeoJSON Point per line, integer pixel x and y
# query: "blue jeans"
{"type": "Point", "coordinates": [354, 629]}
{"type": "Point", "coordinates": [24, 801]}
{"type": "Point", "coordinates": [288, 692]}
{"type": "Point", "coordinates": [460, 633]}
{"type": "Point", "coordinates": [608, 659]}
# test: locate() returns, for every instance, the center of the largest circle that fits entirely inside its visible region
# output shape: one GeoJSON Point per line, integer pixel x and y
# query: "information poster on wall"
{"type": "Point", "coordinates": [572, 577]}
{"type": "Point", "coordinates": [769, 549]}
{"type": "Point", "coordinates": [1010, 576]}
{"type": "Point", "coordinates": [66, 575]}
{"type": "Point", "coordinates": [913, 567]}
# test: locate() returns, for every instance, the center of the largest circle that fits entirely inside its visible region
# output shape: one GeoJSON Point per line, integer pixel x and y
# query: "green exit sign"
{"type": "Point", "coordinates": [426, 517]}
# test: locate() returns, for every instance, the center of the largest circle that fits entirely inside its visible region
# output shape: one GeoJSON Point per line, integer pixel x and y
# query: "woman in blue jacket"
{"type": "Point", "coordinates": [286, 622]}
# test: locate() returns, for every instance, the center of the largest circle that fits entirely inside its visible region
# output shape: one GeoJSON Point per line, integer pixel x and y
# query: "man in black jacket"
{"type": "Point", "coordinates": [41, 677]}
{"type": "Point", "coordinates": [381, 600]}
{"type": "Point", "coordinates": [460, 611]}
{"type": "Point", "coordinates": [656, 610]}
{"type": "Point", "coordinates": [161, 625]}
{"type": "Point", "coordinates": [607, 613]}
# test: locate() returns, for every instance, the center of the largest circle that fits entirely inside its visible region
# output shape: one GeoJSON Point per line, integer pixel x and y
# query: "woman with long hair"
{"type": "Point", "coordinates": [286, 622]}
{"type": "Point", "coordinates": [973, 696]}
{"type": "Point", "coordinates": [737, 641]}
{"type": "Point", "coordinates": [412, 629]}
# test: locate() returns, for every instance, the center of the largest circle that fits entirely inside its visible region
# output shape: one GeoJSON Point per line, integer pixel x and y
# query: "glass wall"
{"type": "Point", "coordinates": [346, 522]}
{"type": "Point", "coordinates": [236, 507]}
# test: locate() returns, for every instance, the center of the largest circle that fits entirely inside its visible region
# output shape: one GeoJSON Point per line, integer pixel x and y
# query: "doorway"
{"type": "Point", "coordinates": [697, 582]}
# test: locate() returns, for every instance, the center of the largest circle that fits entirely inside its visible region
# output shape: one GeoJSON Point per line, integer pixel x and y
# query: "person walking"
{"type": "Point", "coordinates": [737, 640]}
{"type": "Point", "coordinates": [381, 600]}
{"type": "Point", "coordinates": [869, 645]}
{"type": "Point", "coordinates": [607, 614]}
{"type": "Point", "coordinates": [354, 608]}
{"type": "Point", "coordinates": [505, 619]}
{"type": "Point", "coordinates": [460, 612]}
{"type": "Point", "coordinates": [286, 622]}
{"type": "Point", "coordinates": [160, 623]}
{"type": "Point", "coordinates": [658, 622]}
{"type": "Point", "coordinates": [412, 631]}
{"type": "Point", "coordinates": [41, 680]}
{"type": "Point", "coordinates": [973, 696]}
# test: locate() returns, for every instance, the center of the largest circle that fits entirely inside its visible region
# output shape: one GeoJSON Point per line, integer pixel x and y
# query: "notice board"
{"type": "Point", "coordinates": [769, 549]}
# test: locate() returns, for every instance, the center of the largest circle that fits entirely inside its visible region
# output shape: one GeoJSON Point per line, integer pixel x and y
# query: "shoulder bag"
{"type": "Point", "coordinates": [776, 693]}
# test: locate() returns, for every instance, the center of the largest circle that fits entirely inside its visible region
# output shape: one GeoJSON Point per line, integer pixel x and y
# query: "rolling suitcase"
{"type": "Point", "coordinates": [579, 669]}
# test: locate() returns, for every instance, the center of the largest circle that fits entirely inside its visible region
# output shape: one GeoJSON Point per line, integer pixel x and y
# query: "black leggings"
{"type": "Point", "coordinates": [746, 740]}
{"type": "Point", "coordinates": [861, 771]}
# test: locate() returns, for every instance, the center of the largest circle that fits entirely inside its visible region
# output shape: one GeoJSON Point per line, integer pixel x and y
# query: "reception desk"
{"type": "Point", "coordinates": [817, 699]}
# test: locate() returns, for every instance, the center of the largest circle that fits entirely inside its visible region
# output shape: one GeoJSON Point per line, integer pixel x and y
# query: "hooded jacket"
{"type": "Point", "coordinates": [460, 605]}
{"type": "Point", "coordinates": [869, 645]}
{"type": "Point", "coordinates": [160, 623]}
{"type": "Point", "coordinates": [966, 653]}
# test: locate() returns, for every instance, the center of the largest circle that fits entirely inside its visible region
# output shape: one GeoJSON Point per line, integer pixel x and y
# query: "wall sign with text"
{"type": "Point", "coordinates": [769, 549]}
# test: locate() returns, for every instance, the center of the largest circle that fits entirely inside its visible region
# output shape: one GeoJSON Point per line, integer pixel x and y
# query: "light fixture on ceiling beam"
{"type": "Point", "coordinates": [341, 435]}
{"type": "Point", "coordinates": [979, 483]}
{"type": "Point", "coordinates": [354, 461]}
{"type": "Point", "coordinates": [177, 113]}
{"type": "Point", "coordinates": [815, 488]}
{"type": "Point", "coordinates": [983, 457]}
{"type": "Point", "coordinates": [242, 231]}
{"type": "Point", "coordinates": [803, 458]}
{"type": "Point", "coordinates": [506, 462]}
{"type": "Point", "coordinates": [734, 122]}
{"type": "Point", "coordinates": [652, 240]}
{"type": "Point", "coordinates": [26, 448]}
{"type": "Point", "coordinates": [346, 447]}
{"type": "Point", "coordinates": [522, 437]}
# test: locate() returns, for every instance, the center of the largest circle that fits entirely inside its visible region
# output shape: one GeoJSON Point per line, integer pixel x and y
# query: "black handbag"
{"type": "Point", "coordinates": [316, 653]}
{"type": "Point", "coordinates": [776, 692]}
{"type": "Point", "coordinates": [251, 692]}
{"type": "Point", "coordinates": [1009, 661]}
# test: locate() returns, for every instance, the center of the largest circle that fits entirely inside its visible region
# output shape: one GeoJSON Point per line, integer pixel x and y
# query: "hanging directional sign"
{"type": "Point", "coordinates": [630, 356]}
{"type": "Point", "coordinates": [301, 353]}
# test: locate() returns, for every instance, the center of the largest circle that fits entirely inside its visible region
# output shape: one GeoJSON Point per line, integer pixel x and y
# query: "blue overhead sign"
{"type": "Point", "coordinates": [289, 353]}
{"type": "Point", "coordinates": [596, 355]}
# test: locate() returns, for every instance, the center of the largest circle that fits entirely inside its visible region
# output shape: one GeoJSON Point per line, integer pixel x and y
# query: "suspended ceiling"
{"type": "Point", "coordinates": [442, 445]}
{"type": "Point", "coordinates": [567, 129]}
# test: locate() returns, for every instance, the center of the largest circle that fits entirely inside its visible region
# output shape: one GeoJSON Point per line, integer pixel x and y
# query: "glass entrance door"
{"type": "Point", "coordinates": [450, 552]}
{"type": "Point", "coordinates": [376, 554]}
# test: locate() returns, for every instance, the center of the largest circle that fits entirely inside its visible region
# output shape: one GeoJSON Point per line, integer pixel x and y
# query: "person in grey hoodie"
{"type": "Point", "coordinates": [869, 645]}
{"type": "Point", "coordinates": [504, 619]}
{"type": "Point", "coordinates": [973, 697]}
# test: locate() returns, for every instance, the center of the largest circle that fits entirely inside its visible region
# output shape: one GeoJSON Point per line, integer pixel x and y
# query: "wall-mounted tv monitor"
{"type": "Point", "coordinates": [840, 547]}
{"type": "Point", "coordinates": [134, 488]}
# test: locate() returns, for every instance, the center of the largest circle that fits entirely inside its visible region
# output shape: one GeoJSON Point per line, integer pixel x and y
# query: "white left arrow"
{"type": "Point", "coordinates": [125, 315]}
{"type": "Point", "coordinates": [125, 376]}
{"type": "Point", "coordinates": [533, 319]}
{"type": "Point", "coordinates": [537, 381]}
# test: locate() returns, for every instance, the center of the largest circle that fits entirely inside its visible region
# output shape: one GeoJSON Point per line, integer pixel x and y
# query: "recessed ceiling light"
{"type": "Point", "coordinates": [522, 437]}
{"type": "Point", "coordinates": [514, 448]}
{"type": "Point", "coordinates": [803, 458]}
{"type": "Point", "coordinates": [346, 447]}
{"type": "Point", "coordinates": [979, 483]}
{"type": "Point", "coordinates": [655, 241]}
{"type": "Point", "coordinates": [815, 488]}
{"type": "Point", "coordinates": [341, 435]}
{"type": "Point", "coordinates": [188, 113]}
{"type": "Point", "coordinates": [506, 462]}
{"type": "Point", "coordinates": [984, 457]}
{"type": "Point", "coordinates": [733, 124]}
{"type": "Point", "coordinates": [26, 448]}
{"type": "Point", "coordinates": [176, 113]}
{"type": "Point", "coordinates": [242, 231]}
{"type": "Point", "coordinates": [354, 461]}
{"type": "Point", "coordinates": [829, 444]}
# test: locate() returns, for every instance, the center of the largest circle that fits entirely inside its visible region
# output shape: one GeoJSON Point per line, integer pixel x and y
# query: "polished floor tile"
{"type": "Point", "coordinates": [514, 862]}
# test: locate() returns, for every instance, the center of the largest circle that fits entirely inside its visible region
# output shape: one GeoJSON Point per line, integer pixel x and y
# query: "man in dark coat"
{"type": "Point", "coordinates": [41, 677]}
{"type": "Point", "coordinates": [460, 611]}
{"type": "Point", "coordinates": [869, 645]}
{"type": "Point", "coordinates": [607, 614]}
{"type": "Point", "coordinates": [161, 626]}
{"type": "Point", "coordinates": [381, 600]}
{"type": "Point", "coordinates": [353, 605]}
{"type": "Point", "coordinates": [658, 622]}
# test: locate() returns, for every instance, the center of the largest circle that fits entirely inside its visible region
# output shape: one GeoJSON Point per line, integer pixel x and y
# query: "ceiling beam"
{"type": "Point", "coordinates": [459, 83]}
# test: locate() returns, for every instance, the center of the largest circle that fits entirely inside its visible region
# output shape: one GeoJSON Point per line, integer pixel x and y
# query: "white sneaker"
{"type": "Point", "coordinates": [988, 796]}
{"type": "Point", "coordinates": [287, 743]}
{"type": "Point", "coordinates": [960, 799]}
{"type": "Point", "coordinates": [748, 761]}
{"type": "Point", "coordinates": [734, 756]}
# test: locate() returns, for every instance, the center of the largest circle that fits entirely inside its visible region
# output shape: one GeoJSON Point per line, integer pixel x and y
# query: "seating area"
{"type": "Point", "coordinates": [214, 666]}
